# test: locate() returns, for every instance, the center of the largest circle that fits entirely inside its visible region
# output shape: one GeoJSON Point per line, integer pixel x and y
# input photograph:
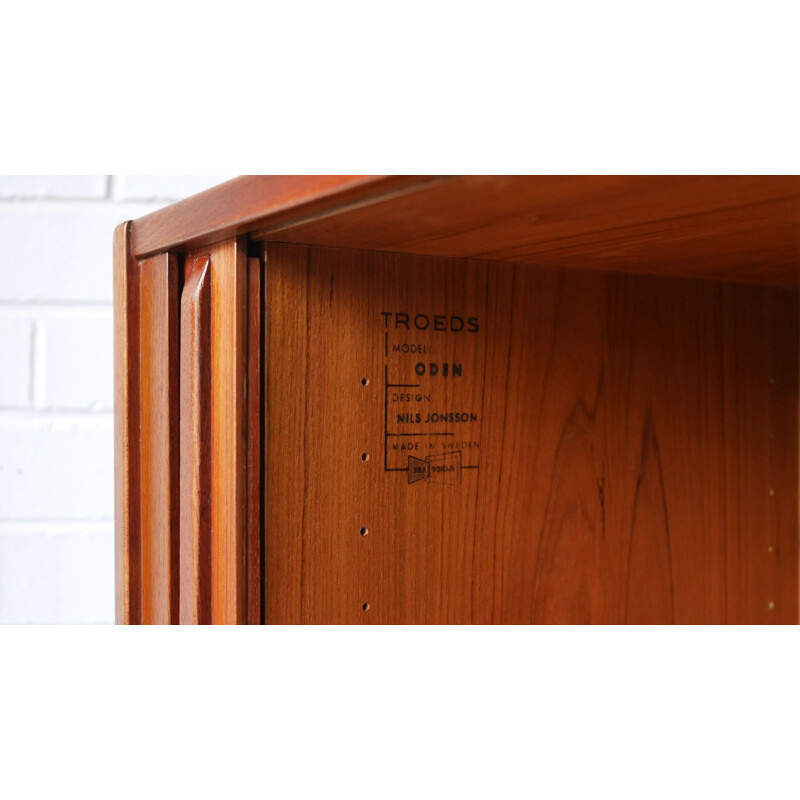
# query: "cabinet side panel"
{"type": "Point", "coordinates": [762, 339]}
{"type": "Point", "coordinates": [159, 398]}
{"type": "Point", "coordinates": [127, 543]}
{"type": "Point", "coordinates": [456, 441]}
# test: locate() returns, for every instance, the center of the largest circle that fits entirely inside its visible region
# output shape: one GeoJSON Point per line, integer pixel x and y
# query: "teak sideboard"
{"type": "Point", "coordinates": [480, 399]}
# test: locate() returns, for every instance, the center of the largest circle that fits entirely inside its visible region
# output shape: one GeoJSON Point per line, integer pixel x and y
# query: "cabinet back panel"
{"type": "Point", "coordinates": [540, 445]}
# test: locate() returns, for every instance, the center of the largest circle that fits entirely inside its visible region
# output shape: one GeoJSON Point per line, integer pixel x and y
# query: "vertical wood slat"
{"type": "Point", "coordinates": [220, 376]}
{"type": "Point", "coordinates": [195, 444]}
{"type": "Point", "coordinates": [227, 403]}
{"type": "Point", "coordinates": [127, 541]}
{"type": "Point", "coordinates": [228, 431]}
{"type": "Point", "coordinates": [158, 353]}
{"type": "Point", "coordinates": [254, 541]}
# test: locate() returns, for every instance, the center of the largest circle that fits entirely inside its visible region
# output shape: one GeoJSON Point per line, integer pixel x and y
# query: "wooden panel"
{"type": "Point", "coordinates": [242, 204]}
{"type": "Point", "coordinates": [195, 458]}
{"type": "Point", "coordinates": [744, 228]}
{"type": "Point", "coordinates": [255, 544]}
{"type": "Point", "coordinates": [761, 344]}
{"type": "Point", "coordinates": [221, 523]}
{"type": "Point", "coordinates": [127, 542]}
{"type": "Point", "coordinates": [286, 435]}
{"type": "Point", "coordinates": [159, 394]}
{"type": "Point", "coordinates": [228, 408]}
{"type": "Point", "coordinates": [621, 448]}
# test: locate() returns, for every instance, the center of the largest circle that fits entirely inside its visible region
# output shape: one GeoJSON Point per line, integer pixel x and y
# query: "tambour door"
{"type": "Point", "coordinates": [188, 434]}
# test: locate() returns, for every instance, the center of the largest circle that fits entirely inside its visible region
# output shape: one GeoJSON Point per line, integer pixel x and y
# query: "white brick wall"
{"type": "Point", "coordinates": [56, 387]}
{"type": "Point", "coordinates": [50, 187]}
{"type": "Point", "coordinates": [16, 346]}
{"type": "Point", "coordinates": [157, 187]}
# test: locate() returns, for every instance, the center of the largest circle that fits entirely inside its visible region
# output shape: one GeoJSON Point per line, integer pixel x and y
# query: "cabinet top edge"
{"type": "Point", "coordinates": [251, 202]}
{"type": "Point", "coordinates": [728, 227]}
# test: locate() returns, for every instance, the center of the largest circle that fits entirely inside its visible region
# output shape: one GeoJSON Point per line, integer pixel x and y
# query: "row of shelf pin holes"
{"type": "Point", "coordinates": [364, 458]}
{"type": "Point", "coordinates": [770, 548]}
{"type": "Point", "coordinates": [365, 530]}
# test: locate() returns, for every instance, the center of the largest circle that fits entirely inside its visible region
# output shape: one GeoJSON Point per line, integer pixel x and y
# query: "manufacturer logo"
{"type": "Point", "coordinates": [444, 469]}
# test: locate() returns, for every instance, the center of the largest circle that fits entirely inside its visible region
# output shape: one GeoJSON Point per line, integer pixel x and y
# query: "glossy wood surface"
{"type": "Point", "coordinates": [632, 447]}
{"type": "Point", "coordinates": [229, 281]}
{"type": "Point", "coordinates": [254, 525]}
{"type": "Point", "coordinates": [637, 446]}
{"type": "Point", "coordinates": [189, 527]}
{"type": "Point", "coordinates": [743, 228]}
{"type": "Point", "coordinates": [127, 543]}
{"type": "Point", "coordinates": [240, 205]}
{"type": "Point", "coordinates": [159, 446]}
{"type": "Point", "coordinates": [195, 444]}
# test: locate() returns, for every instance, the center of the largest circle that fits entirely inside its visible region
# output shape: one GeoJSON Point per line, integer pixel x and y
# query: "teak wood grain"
{"type": "Point", "coordinates": [127, 541]}
{"type": "Point", "coordinates": [189, 528]}
{"type": "Point", "coordinates": [240, 205]}
{"type": "Point", "coordinates": [625, 447]}
{"type": "Point", "coordinates": [744, 228]}
{"type": "Point", "coordinates": [159, 446]}
{"type": "Point", "coordinates": [195, 444]}
{"type": "Point", "coordinates": [228, 275]}
{"type": "Point", "coordinates": [637, 446]}
{"type": "Point", "coordinates": [254, 525]}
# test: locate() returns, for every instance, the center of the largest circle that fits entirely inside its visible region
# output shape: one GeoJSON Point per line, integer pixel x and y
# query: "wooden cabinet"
{"type": "Point", "coordinates": [349, 399]}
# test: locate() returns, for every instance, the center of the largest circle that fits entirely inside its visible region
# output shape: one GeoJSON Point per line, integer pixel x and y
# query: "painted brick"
{"type": "Point", "coordinates": [40, 187]}
{"type": "Point", "coordinates": [56, 376]}
{"type": "Point", "coordinates": [57, 578]}
{"type": "Point", "coordinates": [163, 187]}
{"type": "Point", "coordinates": [15, 362]}
{"type": "Point", "coordinates": [60, 251]}
{"type": "Point", "coordinates": [78, 363]}
{"type": "Point", "coordinates": [56, 468]}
